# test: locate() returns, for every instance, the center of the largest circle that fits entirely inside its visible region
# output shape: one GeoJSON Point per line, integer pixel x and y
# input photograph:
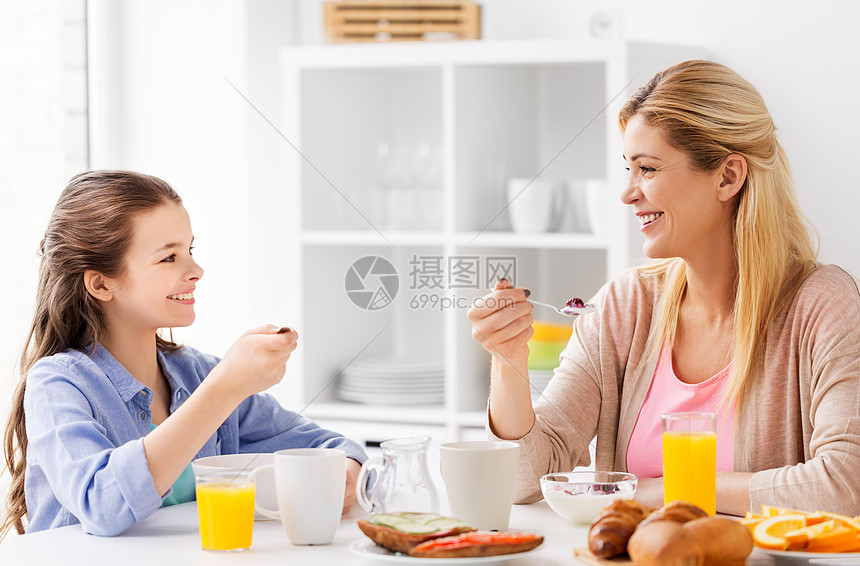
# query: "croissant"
{"type": "Point", "coordinates": [678, 511]}
{"type": "Point", "coordinates": [610, 531]}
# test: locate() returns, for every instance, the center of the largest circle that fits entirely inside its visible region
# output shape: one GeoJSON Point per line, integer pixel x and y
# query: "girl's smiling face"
{"type": "Point", "coordinates": [678, 207]}
{"type": "Point", "coordinates": [157, 288]}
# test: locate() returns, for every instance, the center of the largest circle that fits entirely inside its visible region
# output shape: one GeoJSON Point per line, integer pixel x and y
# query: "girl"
{"type": "Point", "coordinates": [108, 415]}
{"type": "Point", "coordinates": [735, 316]}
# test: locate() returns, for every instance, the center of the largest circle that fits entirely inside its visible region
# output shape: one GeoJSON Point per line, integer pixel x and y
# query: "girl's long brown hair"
{"type": "Point", "coordinates": [90, 229]}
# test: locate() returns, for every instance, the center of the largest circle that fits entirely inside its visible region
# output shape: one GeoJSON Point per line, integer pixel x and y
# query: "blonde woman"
{"type": "Point", "coordinates": [735, 316]}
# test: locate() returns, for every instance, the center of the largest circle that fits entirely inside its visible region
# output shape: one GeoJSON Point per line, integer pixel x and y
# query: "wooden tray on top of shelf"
{"type": "Point", "coordinates": [354, 21]}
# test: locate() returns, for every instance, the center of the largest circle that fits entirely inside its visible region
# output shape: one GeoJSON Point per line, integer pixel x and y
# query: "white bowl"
{"type": "Point", "coordinates": [264, 492]}
{"type": "Point", "coordinates": [580, 496]}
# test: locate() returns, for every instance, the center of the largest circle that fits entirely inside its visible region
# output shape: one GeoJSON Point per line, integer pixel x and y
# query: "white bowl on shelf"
{"type": "Point", "coordinates": [579, 496]}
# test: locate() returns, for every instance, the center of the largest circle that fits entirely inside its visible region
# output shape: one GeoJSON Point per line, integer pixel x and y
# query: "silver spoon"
{"type": "Point", "coordinates": [573, 307]}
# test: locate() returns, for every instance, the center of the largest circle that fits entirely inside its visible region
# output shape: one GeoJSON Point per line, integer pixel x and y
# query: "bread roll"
{"type": "Point", "coordinates": [678, 511]}
{"type": "Point", "coordinates": [665, 543]}
{"type": "Point", "coordinates": [723, 540]}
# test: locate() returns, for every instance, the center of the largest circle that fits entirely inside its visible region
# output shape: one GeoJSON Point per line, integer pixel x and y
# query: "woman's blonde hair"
{"type": "Point", "coordinates": [90, 228]}
{"type": "Point", "coordinates": [708, 111]}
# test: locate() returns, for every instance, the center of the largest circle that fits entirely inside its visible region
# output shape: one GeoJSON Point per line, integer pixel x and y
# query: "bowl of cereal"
{"type": "Point", "coordinates": [579, 496]}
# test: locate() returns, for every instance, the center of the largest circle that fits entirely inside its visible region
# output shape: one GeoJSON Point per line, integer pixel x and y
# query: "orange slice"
{"type": "Point", "coordinates": [840, 539]}
{"type": "Point", "coordinates": [771, 511]}
{"type": "Point", "coordinates": [770, 533]}
{"type": "Point", "coordinates": [847, 521]}
{"type": "Point", "coordinates": [799, 538]}
{"type": "Point", "coordinates": [855, 547]}
{"type": "Point", "coordinates": [751, 522]}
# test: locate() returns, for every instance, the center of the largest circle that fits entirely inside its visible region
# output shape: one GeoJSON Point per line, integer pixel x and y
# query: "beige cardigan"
{"type": "Point", "coordinates": [800, 433]}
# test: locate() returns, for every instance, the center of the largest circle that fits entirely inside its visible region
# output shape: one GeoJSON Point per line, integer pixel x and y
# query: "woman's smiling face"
{"type": "Point", "coordinates": [678, 207]}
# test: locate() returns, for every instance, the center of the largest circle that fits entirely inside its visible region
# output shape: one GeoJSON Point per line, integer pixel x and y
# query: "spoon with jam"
{"type": "Point", "coordinates": [573, 307]}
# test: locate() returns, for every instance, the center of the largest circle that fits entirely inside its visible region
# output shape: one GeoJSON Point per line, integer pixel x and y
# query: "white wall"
{"type": "Point", "coordinates": [159, 104]}
{"type": "Point", "coordinates": [803, 58]}
{"type": "Point", "coordinates": [168, 111]}
{"type": "Point", "coordinates": [43, 142]}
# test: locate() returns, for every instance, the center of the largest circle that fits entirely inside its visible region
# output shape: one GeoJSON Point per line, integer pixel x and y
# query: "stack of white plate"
{"type": "Point", "coordinates": [393, 382]}
{"type": "Point", "coordinates": [539, 378]}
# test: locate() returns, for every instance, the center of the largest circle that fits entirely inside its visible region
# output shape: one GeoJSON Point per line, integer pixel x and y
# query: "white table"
{"type": "Point", "coordinates": [170, 536]}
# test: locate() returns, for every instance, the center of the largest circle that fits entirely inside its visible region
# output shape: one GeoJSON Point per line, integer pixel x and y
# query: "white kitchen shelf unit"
{"type": "Point", "coordinates": [496, 110]}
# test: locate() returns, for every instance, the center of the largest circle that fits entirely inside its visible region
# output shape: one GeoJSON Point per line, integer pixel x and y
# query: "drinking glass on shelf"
{"type": "Point", "coordinates": [379, 191]}
{"type": "Point", "coordinates": [401, 195]}
{"type": "Point", "coordinates": [420, 168]}
{"type": "Point", "coordinates": [430, 184]}
{"type": "Point", "coordinates": [690, 459]}
{"type": "Point", "coordinates": [407, 190]}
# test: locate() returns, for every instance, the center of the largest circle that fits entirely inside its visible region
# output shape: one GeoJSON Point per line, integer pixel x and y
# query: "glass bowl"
{"type": "Point", "coordinates": [580, 496]}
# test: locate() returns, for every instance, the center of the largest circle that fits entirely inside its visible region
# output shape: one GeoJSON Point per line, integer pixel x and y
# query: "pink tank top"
{"type": "Point", "coordinates": [668, 394]}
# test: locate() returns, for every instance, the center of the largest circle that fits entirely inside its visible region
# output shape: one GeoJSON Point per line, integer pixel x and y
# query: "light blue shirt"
{"type": "Point", "coordinates": [86, 417]}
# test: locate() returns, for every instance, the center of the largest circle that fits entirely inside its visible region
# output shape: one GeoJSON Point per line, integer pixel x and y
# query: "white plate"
{"type": "Point", "coordinates": [381, 392]}
{"type": "Point", "coordinates": [385, 381]}
{"type": "Point", "coordinates": [393, 374]}
{"type": "Point", "coordinates": [436, 378]}
{"type": "Point", "coordinates": [394, 369]}
{"type": "Point", "coordinates": [824, 557]}
{"type": "Point", "coordinates": [404, 399]}
{"type": "Point", "coordinates": [396, 392]}
{"type": "Point", "coordinates": [428, 388]}
{"type": "Point", "coordinates": [398, 363]}
{"type": "Point", "coordinates": [366, 548]}
{"type": "Point", "coordinates": [392, 378]}
{"type": "Point", "coordinates": [392, 383]}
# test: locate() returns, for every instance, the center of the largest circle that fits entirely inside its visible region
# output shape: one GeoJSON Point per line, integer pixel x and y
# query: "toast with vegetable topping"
{"type": "Point", "coordinates": [479, 543]}
{"type": "Point", "coordinates": [401, 532]}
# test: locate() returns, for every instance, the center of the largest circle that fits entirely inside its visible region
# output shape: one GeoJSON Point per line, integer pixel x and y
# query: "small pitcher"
{"type": "Point", "coordinates": [402, 479]}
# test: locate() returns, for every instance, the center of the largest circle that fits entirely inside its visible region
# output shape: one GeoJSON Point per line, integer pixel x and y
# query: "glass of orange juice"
{"type": "Point", "coordinates": [690, 459]}
{"type": "Point", "coordinates": [225, 506]}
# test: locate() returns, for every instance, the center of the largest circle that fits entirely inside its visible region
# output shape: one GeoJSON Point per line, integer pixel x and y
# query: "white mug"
{"type": "Point", "coordinates": [310, 483]}
{"type": "Point", "coordinates": [480, 477]}
{"type": "Point", "coordinates": [535, 205]}
{"type": "Point", "coordinates": [598, 201]}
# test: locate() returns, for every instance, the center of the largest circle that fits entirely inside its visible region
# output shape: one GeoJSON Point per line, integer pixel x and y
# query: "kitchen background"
{"type": "Point", "coordinates": [203, 94]}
